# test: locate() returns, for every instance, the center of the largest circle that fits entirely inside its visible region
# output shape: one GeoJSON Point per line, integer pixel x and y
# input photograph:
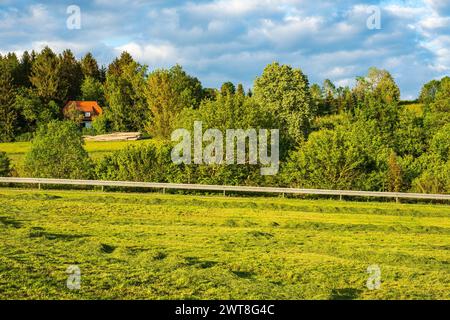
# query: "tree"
{"type": "Point", "coordinates": [395, 181]}
{"type": "Point", "coordinates": [11, 65]}
{"type": "Point", "coordinates": [437, 112]}
{"type": "Point", "coordinates": [33, 111]}
{"type": "Point", "coordinates": [377, 98]}
{"type": "Point", "coordinates": [430, 173]}
{"type": "Point", "coordinates": [227, 88]}
{"type": "Point", "coordinates": [45, 77]}
{"type": "Point", "coordinates": [284, 92]}
{"type": "Point", "coordinates": [89, 67]}
{"type": "Point", "coordinates": [428, 91]}
{"type": "Point", "coordinates": [168, 92]}
{"type": "Point", "coordinates": [5, 165]}
{"type": "Point", "coordinates": [189, 88]}
{"type": "Point", "coordinates": [164, 104]}
{"type": "Point", "coordinates": [92, 90]}
{"type": "Point", "coordinates": [440, 143]}
{"type": "Point", "coordinates": [317, 98]}
{"type": "Point", "coordinates": [347, 100]}
{"type": "Point", "coordinates": [116, 67]}
{"type": "Point", "coordinates": [125, 96]}
{"type": "Point", "coordinates": [379, 84]}
{"type": "Point", "coordinates": [385, 114]}
{"type": "Point", "coordinates": [57, 152]}
{"type": "Point", "coordinates": [435, 176]}
{"type": "Point", "coordinates": [25, 66]}
{"type": "Point", "coordinates": [329, 95]}
{"type": "Point", "coordinates": [70, 75]}
{"type": "Point", "coordinates": [209, 94]}
{"type": "Point", "coordinates": [387, 89]}
{"type": "Point", "coordinates": [441, 102]}
{"type": "Point", "coordinates": [8, 112]}
{"type": "Point", "coordinates": [410, 136]}
{"type": "Point", "coordinates": [240, 90]}
{"type": "Point", "coordinates": [226, 112]}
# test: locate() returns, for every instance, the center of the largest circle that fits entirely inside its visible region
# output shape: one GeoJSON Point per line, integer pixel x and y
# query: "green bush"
{"type": "Point", "coordinates": [343, 158]}
{"type": "Point", "coordinates": [24, 137]}
{"type": "Point", "coordinates": [150, 163]}
{"type": "Point", "coordinates": [57, 152]}
{"type": "Point", "coordinates": [5, 165]}
{"type": "Point", "coordinates": [101, 124]}
{"type": "Point", "coordinates": [435, 178]}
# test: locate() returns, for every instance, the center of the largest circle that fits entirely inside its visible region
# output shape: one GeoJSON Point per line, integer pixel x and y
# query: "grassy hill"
{"type": "Point", "coordinates": [156, 246]}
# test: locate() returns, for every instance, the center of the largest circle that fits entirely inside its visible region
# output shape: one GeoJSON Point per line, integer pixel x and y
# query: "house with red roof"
{"type": "Point", "coordinates": [87, 110]}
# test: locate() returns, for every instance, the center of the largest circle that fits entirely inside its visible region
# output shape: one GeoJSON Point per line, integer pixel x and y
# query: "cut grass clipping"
{"type": "Point", "coordinates": [153, 246]}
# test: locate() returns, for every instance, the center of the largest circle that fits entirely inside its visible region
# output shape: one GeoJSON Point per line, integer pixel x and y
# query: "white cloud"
{"type": "Point", "coordinates": [219, 40]}
{"type": "Point", "coordinates": [152, 54]}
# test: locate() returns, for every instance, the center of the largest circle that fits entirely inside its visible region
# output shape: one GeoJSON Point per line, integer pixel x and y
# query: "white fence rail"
{"type": "Point", "coordinates": [224, 189]}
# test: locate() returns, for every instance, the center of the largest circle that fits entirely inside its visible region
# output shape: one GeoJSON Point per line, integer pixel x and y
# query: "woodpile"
{"type": "Point", "coordinates": [118, 136]}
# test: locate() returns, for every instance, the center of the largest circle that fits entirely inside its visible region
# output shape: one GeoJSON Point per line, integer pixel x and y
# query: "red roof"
{"type": "Point", "coordinates": [84, 106]}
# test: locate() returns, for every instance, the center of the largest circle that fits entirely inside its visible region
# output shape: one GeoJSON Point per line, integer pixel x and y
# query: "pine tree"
{"type": "Point", "coordinates": [8, 113]}
{"type": "Point", "coordinates": [25, 69]}
{"type": "Point", "coordinates": [70, 75]}
{"type": "Point", "coordinates": [12, 67]}
{"type": "Point", "coordinates": [45, 77]}
{"type": "Point", "coordinates": [89, 66]}
{"type": "Point", "coordinates": [116, 67]}
{"type": "Point", "coordinates": [240, 90]}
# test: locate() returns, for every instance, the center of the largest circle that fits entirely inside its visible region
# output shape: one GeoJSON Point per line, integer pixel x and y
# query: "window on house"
{"type": "Point", "coordinates": [87, 114]}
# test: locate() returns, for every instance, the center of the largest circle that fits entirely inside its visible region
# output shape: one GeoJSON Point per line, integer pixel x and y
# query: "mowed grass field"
{"type": "Point", "coordinates": [97, 149]}
{"type": "Point", "coordinates": [154, 246]}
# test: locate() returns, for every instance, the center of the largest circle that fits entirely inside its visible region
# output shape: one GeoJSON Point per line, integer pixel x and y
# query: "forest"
{"type": "Point", "coordinates": [358, 138]}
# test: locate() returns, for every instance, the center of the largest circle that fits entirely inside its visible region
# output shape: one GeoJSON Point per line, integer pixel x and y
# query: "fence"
{"type": "Point", "coordinates": [224, 189]}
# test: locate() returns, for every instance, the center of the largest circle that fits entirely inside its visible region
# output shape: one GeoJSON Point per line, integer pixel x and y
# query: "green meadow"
{"type": "Point", "coordinates": [97, 149]}
{"type": "Point", "coordinates": [154, 246]}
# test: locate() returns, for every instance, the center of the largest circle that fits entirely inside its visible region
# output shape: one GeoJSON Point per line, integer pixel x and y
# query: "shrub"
{"type": "Point", "coordinates": [24, 137]}
{"type": "Point", "coordinates": [5, 165]}
{"type": "Point", "coordinates": [57, 152]}
{"type": "Point", "coordinates": [101, 124]}
{"type": "Point", "coordinates": [150, 163]}
{"type": "Point", "coordinates": [343, 158]}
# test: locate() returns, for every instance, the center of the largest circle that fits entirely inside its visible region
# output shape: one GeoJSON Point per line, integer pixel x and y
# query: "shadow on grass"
{"type": "Point", "coordinates": [345, 294]}
{"type": "Point", "coordinates": [203, 264]}
{"type": "Point", "coordinates": [10, 222]}
{"type": "Point", "coordinates": [38, 232]}
{"type": "Point", "coordinates": [243, 274]}
{"type": "Point", "coordinates": [106, 248]}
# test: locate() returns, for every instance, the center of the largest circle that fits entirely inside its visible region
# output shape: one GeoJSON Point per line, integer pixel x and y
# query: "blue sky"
{"type": "Point", "coordinates": [232, 40]}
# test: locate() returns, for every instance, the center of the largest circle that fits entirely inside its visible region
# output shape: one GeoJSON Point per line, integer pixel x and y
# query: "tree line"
{"type": "Point", "coordinates": [362, 137]}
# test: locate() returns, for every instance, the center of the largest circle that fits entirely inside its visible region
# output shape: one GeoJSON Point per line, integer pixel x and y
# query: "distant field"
{"type": "Point", "coordinates": [16, 150]}
{"type": "Point", "coordinates": [154, 246]}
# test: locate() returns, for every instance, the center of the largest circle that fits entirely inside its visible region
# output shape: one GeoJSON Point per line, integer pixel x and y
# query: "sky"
{"type": "Point", "coordinates": [233, 40]}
